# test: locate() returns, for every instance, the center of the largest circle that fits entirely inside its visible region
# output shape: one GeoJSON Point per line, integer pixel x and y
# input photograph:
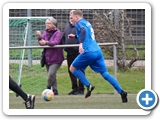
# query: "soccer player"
{"type": "Point", "coordinates": [72, 53]}
{"type": "Point", "coordinates": [90, 55]}
{"type": "Point", "coordinates": [29, 99]}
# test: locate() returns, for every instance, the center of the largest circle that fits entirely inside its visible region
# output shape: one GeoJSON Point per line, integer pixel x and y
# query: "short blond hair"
{"type": "Point", "coordinates": [77, 12]}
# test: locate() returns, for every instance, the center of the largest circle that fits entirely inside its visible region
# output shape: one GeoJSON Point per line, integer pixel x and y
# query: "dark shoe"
{"type": "Point", "coordinates": [29, 103]}
{"type": "Point", "coordinates": [89, 90]}
{"type": "Point", "coordinates": [124, 96]}
{"type": "Point", "coordinates": [55, 92]}
{"type": "Point", "coordinates": [81, 92]}
{"type": "Point", "coordinates": [72, 92]}
{"type": "Point", "coordinates": [78, 92]}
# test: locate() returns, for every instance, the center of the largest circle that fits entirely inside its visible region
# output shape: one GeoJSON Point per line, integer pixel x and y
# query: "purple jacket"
{"type": "Point", "coordinates": [53, 55]}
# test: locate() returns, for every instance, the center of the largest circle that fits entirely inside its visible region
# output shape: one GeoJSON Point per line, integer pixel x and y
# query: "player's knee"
{"type": "Point", "coordinates": [71, 68]}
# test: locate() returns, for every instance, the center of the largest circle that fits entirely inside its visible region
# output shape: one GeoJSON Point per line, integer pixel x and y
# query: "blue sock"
{"type": "Point", "coordinates": [80, 75]}
{"type": "Point", "coordinates": [112, 81]}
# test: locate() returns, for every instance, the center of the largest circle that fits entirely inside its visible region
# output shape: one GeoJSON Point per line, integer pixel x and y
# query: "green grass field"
{"type": "Point", "coordinates": [102, 97]}
{"type": "Point", "coordinates": [95, 101]}
{"type": "Point", "coordinates": [33, 80]}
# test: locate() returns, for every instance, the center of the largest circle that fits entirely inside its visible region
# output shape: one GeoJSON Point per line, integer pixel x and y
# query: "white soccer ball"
{"type": "Point", "coordinates": [47, 94]}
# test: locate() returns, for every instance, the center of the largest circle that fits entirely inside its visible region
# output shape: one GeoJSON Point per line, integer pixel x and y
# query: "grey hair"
{"type": "Point", "coordinates": [53, 21]}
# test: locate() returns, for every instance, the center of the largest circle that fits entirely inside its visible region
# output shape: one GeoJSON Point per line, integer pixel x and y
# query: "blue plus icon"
{"type": "Point", "coordinates": [147, 99]}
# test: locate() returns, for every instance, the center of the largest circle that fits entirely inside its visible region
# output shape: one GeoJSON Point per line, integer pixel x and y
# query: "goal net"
{"type": "Point", "coordinates": [24, 65]}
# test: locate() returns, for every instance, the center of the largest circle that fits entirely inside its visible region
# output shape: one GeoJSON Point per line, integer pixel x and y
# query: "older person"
{"type": "Point", "coordinates": [53, 56]}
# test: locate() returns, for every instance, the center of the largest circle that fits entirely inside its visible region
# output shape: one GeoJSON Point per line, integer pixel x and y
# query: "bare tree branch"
{"type": "Point", "coordinates": [106, 30]}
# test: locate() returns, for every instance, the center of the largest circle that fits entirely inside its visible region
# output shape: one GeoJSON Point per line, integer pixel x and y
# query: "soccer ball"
{"type": "Point", "coordinates": [47, 95]}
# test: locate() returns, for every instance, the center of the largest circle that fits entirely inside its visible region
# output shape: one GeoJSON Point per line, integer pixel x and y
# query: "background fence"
{"type": "Point", "coordinates": [19, 20]}
{"type": "Point", "coordinates": [62, 16]}
{"type": "Point", "coordinates": [23, 24]}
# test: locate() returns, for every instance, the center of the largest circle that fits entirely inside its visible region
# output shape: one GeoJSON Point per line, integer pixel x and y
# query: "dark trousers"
{"type": "Point", "coordinates": [14, 87]}
{"type": "Point", "coordinates": [75, 84]}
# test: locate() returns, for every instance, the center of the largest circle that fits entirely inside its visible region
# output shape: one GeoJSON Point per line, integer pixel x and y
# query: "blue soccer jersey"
{"type": "Point", "coordinates": [92, 56]}
{"type": "Point", "coordinates": [89, 42]}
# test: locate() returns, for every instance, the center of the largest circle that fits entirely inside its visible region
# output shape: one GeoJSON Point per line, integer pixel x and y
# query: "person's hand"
{"type": "Point", "coordinates": [42, 42]}
{"type": "Point", "coordinates": [38, 33]}
{"type": "Point", "coordinates": [81, 50]}
{"type": "Point", "coordinates": [71, 36]}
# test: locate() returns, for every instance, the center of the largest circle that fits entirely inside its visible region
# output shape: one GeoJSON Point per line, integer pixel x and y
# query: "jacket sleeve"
{"type": "Point", "coordinates": [55, 39]}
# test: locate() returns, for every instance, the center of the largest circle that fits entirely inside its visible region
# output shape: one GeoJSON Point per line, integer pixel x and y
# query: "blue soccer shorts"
{"type": "Point", "coordinates": [93, 59]}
